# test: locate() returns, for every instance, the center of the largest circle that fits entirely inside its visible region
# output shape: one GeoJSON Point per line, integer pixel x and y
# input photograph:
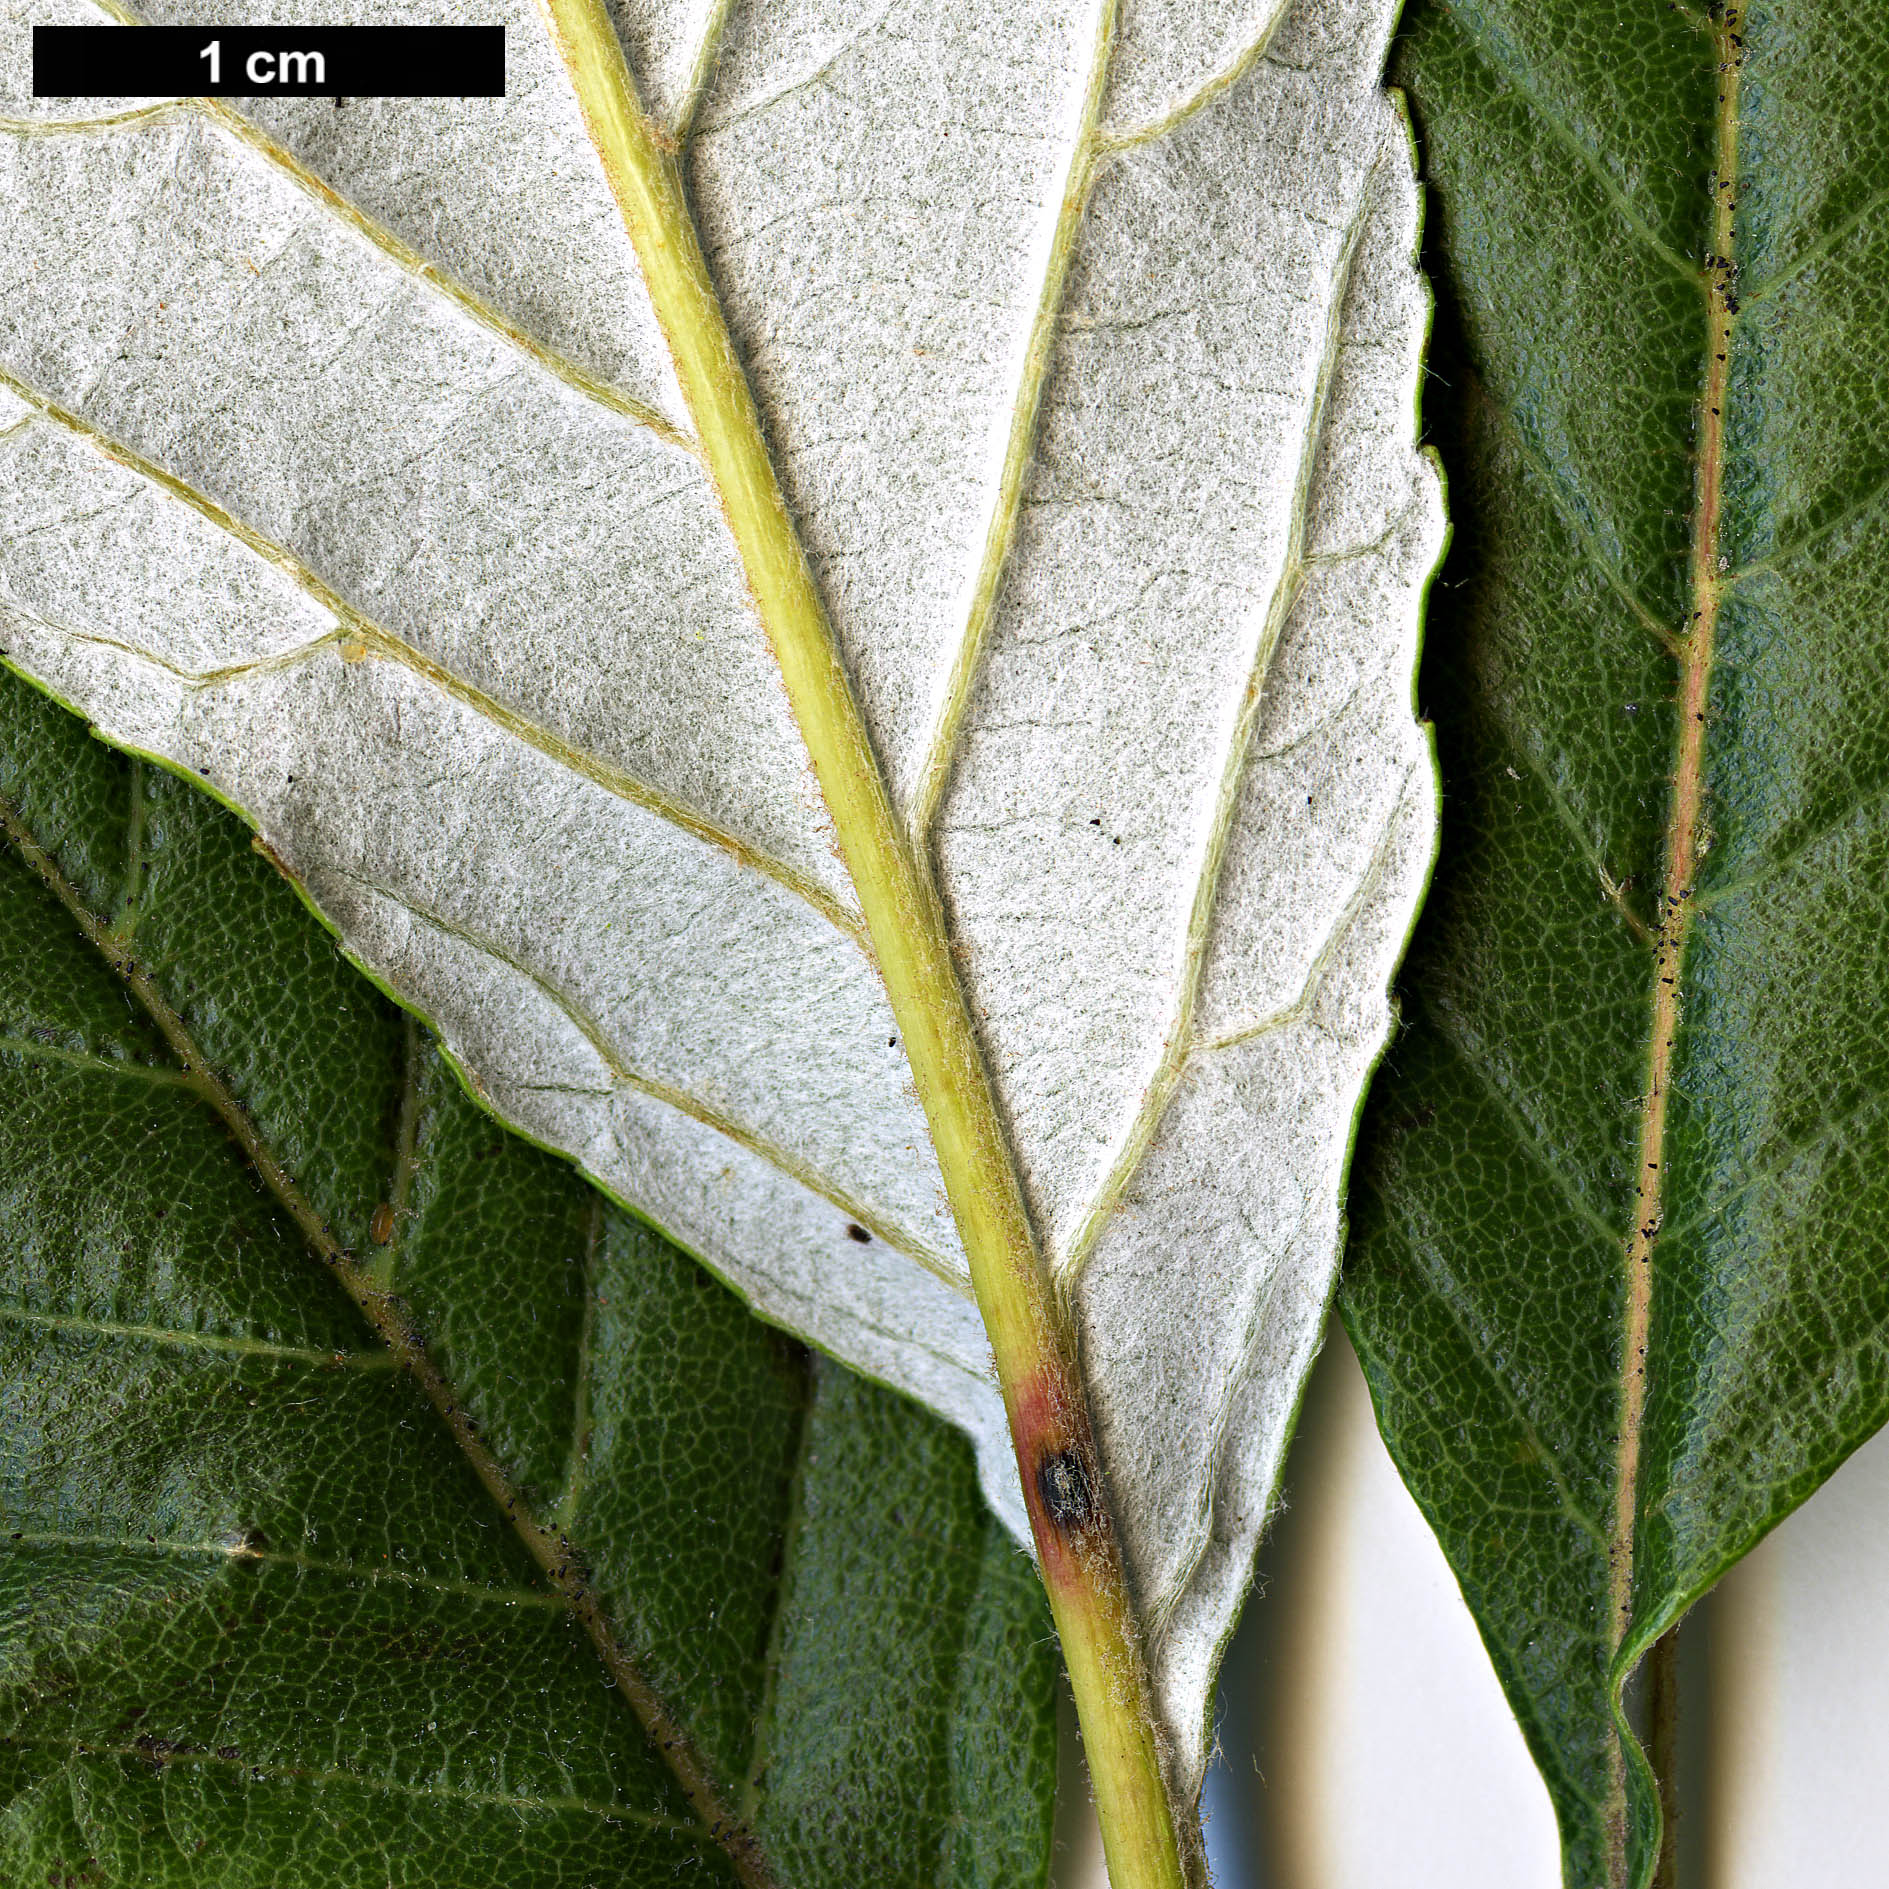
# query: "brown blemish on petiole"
{"type": "Point", "coordinates": [1062, 1483]}
{"type": "Point", "coordinates": [1065, 1484]}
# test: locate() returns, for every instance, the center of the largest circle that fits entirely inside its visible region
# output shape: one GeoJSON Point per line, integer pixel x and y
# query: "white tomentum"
{"type": "Point", "coordinates": [341, 465]}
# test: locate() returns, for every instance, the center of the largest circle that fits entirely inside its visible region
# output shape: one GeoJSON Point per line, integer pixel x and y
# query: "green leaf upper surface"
{"type": "Point", "coordinates": [1571, 152]}
{"type": "Point", "coordinates": [262, 1623]}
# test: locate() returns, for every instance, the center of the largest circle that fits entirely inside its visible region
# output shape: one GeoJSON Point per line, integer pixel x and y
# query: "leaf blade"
{"type": "Point", "coordinates": [1202, 295]}
{"type": "Point", "coordinates": [1599, 511]}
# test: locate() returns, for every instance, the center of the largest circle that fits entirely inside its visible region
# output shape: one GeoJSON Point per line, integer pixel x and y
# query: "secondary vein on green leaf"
{"type": "Point", "coordinates": [1868, 801]}
{"type": "Point", "coordinates": [34, 1051]}
{"type": "Point", "coordinates": [1569, 511]}
{"type": "Point", "coordinates": [1813, 253]}
{"type": "Point", "coordinates": [155, 1752]}
{"type": "Point", "coordinates": [577, 1456]}
{"type": "Point", "coordinates": [556, 1555]}
{"type": "Point", "coordinates": [1511, 78]}
{"type": "Point", "coordinates": [231, 1343]}
{"type": "Point", "coordinates": [240, 1551]}
{"type": "Point", "coordinates": [384, 1267]}
{"type": "Point", "coordinates": [1684, 824]}
{"type": "Point", "coordinates": [1474, 1064]}
{"type": "Point", "coordinates": [1458, 1308]}
{"type": "Point", "coordinates": [1775, 561]}
{"type": "Point", "coordinates": [774, 1660]}
{"type": "Point", "coordinates": [1833, 1134]}
{"type": "Point", "coordinates": [1612, 890]}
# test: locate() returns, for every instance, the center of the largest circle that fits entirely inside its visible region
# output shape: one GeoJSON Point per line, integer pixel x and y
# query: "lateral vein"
{"type": "Point", "coordinates": [702, 69]}
{"type": "Point", "coordinates": [1178, 1041]}
{"type": "Point", "coordinates": [1026, 409]}
{"type": "Point", "coordinates": [408, 259]}
{"type": "Point", "coordinates": [1300, 1004]}
{"type": "Point", "coordinates": [241, 1551]}
{"type": "Point", "coordinates": [622, 1074]}
{"type": "Point", "coordinates": [1773, 562]}
{"type": "Point", "coordinates": [34, 1051]}
{"type": "Point", "coordinates": [1504, 71]}
{"type": "Point", "coordinates": [384, 1267]}
{"type": "Point", "coordinates": [373, 638]}
{"type": "Point", "coordinates": [1564, 504]}
{"type": "Point", "coordinates": [229, 1343]}
{"type": "Point", "coordinates": [1449, 1293]}
{"type": "Point", "coordinates": [153, 1751]}
{"type": "Point", "coordinates": [1202, 96]}
{"type": "Point", "coordinates": [577, 1457]}
{"type": "Point", "coordinates": [1470, 1055]}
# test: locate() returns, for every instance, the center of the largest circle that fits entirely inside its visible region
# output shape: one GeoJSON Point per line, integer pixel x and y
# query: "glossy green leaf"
{"type": "Point", "coordinates": [263, 1623]}
{"type": "Point", "coordinates": [1644, 1010]}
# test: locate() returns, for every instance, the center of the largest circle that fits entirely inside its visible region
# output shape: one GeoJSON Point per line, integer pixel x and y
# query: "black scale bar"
{"type": "Point", "coordinates": [269, 61]}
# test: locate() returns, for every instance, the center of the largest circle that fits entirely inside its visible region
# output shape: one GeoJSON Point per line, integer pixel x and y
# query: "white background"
{"type": "Point", "coordinates": [1365, 1744]}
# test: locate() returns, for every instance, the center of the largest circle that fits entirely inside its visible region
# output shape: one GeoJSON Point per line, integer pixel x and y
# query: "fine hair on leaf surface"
{"type": "Point", "coordinates": [834, 605]}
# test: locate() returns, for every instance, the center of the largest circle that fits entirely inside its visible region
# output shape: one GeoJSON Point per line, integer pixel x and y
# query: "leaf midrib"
{"type": "Point", "coordinates": [904, 916]}
{"type": "Point", "coordinates": [1674, 914]}
{"type": "Point", "coordinates": [1032, 1341]}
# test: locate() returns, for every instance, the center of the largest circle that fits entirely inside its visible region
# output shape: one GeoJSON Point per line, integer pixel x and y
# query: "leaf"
{"type": "Point", "coordinates": [263, 1624]}
{"type": "Point", "coordinates": [348, 469]}
{"type": "Point", "coordinates": [1656, 936]}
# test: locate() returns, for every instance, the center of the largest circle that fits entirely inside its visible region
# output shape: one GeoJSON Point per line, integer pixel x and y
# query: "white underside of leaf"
{"type": "Point", "coordinates": [340, 464]}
